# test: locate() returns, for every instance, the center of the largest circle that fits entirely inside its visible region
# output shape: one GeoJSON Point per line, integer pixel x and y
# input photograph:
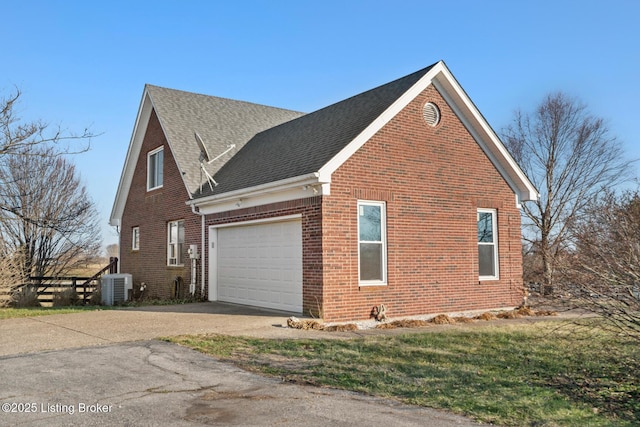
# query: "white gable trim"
{"type": "Point", "coordinates": [139, 130]}
{"type": "Point", "coordinates": [484, 135]}
{"type": "Point", "coordinates": [440, 76]}
{"type": "Point", "coordinates": [133, 153]}
{"type": "Point", "coordinates": [384, 118]}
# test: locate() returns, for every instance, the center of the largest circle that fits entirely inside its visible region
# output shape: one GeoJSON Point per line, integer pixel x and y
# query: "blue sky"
{"type": "Point", "coordinates": [85, 63]}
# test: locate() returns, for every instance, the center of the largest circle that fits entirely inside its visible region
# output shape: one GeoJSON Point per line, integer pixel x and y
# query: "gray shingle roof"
{"type": "Point", "coordinates": [302, 146]}
{"type": "Point", "coordinates": [219, 121]}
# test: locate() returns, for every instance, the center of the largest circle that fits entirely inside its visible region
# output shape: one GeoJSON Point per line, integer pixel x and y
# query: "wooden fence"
{"type": "Point", "coordinates": [48, 286]}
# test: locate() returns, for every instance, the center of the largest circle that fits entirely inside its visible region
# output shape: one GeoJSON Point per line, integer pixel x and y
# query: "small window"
{"type": "Point", "coordinates": [372, 243]}
{"type": "Point", "coordinates": [487, 244]}
{"type": "Point", "coordinates": [135, 238]}
{"type": "Point", "coordinates": [175, 242]}
{"type": "Point", "coordinates": [155, 169]}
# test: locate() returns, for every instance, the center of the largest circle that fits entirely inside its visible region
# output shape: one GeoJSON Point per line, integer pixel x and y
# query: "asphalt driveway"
{"type": "Point", "coordinates": [104, 368]}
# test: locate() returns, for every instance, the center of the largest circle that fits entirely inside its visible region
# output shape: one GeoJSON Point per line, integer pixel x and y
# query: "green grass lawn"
{"type": "Point", "coordinates": [9, 313]}
{"type": "Point", "coordinates": [524, 375]}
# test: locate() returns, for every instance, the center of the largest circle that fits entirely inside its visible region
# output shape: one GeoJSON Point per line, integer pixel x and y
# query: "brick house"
{"type": "Point", "coordinates": [402, 195]}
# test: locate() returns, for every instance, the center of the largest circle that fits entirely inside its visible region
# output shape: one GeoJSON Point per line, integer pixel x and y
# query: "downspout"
{"type": "Point", "coordinates": [202, 248]}
{"type": "Point", "coordinates": [117, 227]}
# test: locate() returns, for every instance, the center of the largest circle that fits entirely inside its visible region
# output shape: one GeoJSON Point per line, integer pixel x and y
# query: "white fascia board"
{"type": "Point", "coordinates": [280, 191]}
{"type": "Point", "coordinates": [484, 135]}
{"type": "Point", "coordinates": [384, 118]}
{"type": "Point", "coordinates": [133, 153]}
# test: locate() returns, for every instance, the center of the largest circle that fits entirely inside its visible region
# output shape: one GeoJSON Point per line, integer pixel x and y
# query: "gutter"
{"type": "Point", "coordinates": [262, 189]}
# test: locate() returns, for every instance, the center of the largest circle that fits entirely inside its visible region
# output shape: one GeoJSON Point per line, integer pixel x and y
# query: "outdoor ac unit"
{"type": "Point", "coordinates": [115, 288]}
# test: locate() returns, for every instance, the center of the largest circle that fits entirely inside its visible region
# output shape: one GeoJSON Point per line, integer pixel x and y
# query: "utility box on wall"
{"type": "Point", "coordinates": [115, 288]}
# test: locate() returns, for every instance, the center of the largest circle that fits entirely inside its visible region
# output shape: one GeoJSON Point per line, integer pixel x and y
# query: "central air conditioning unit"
{"type": "Point", "coordinates": [115, 288]}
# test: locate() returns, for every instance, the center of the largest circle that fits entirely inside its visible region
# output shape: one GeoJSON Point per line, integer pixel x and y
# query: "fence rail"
{"type": "Point", "coordinates": [48, 286]}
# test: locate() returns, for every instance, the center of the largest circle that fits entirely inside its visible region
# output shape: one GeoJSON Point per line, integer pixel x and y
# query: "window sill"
{"type": "Point", "coordinates": [372, 285]}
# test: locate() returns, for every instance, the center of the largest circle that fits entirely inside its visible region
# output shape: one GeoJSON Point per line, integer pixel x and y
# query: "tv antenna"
{"type": "Point", "coordinates": [205, 158]}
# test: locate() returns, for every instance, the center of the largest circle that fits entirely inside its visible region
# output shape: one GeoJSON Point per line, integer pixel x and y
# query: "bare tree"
{"type": "Point", "coordinates": [603, 269]}
{"type": "Point", "coordinates": [11, 271]}
{"type": "Point", "coordinates": [35, 182]}
{"type": "Point", "coordinates": [17, 136]}
{"type": "Point", "coordinates": [112, 250]}
{"type": "Point", "coordinates": [46, 218]}
{"type": "Point", "coordinates": [570, 156]}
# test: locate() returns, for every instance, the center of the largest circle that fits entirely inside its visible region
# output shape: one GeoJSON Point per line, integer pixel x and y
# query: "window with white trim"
{"type": "Point", "coordinates": [155, 168]}
{"type": "Point", "coordinates": [487, 244]}
{"type": "Point", "coordinates": [372, 251]}
{"type": "Point", "coordinates": [175, 242]}
{"type": "Point", "coordinates": [135, 238]}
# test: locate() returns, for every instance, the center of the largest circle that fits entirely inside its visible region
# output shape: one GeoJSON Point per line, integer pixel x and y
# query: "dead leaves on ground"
{"type": "Point", "coordinates": [441, 319]}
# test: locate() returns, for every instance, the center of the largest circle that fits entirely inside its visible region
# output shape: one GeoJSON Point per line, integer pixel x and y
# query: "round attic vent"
{"type": "Point", "coordinates": [431, 114]}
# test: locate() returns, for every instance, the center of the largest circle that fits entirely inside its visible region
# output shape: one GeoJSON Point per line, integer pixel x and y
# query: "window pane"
{"type": "Point", "coordinates": [370, 224]}
{"type": "Point", "coordinates": [486, 260]}
{"type": "Point", "coordinates": [485, 227]}
{"type": "Point", "coordinates": [135, 241]}
{"type": "Point", "coordinates": [155, 169]}
{"type": "Point", "coordinates": [152, 173]}
{"type": "Point", "coordinates": [159, 168]}
{"type": "Point", "coordinates": [181, 231]}
{"type": "Point", "coordinates": [173, 232]}
{"type": "Point", "coordinates": [371, 261]}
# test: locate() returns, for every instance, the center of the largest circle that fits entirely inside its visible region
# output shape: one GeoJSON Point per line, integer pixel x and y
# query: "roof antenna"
{"type": "Point", "coordinates": [206, 157]}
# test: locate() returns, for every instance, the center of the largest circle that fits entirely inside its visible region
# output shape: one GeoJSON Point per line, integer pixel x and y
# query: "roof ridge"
{"type": "Point", "coordinates": [392, 82]}
{"type": "Point", "coordinates": [149, 85]}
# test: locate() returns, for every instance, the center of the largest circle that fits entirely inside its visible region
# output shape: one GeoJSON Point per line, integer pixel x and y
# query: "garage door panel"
{"type": "Point", "coordinates": [261, 265]}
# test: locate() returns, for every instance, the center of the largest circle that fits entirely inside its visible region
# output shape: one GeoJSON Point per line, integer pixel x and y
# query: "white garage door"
{"type": "Point", "coordinates": [261, 265]}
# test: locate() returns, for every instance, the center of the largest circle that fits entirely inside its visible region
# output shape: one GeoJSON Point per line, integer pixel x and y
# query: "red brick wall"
{"type": "Point", "coordinates": [151, 211]}
{"type": "Point", "coordinates": [432, 180]}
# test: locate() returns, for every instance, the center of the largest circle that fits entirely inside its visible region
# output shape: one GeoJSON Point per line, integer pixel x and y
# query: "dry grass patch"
{"type": "Point", "coordinates": [443, 319]}
{"type": "Point", "coordinates": [486, 316]}
{"type": "Point", "coordinates": [463, 319]}
{"type": "Point", "coordinates": [341, 328]}
{"type": "Point", "coordinates": [406, 323]}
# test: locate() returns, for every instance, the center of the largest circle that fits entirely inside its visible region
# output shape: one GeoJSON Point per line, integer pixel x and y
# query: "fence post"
{"type": "Point", "coordinates": [73, 285]}
{"type": "Point", "coordinates": [113, 265]}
